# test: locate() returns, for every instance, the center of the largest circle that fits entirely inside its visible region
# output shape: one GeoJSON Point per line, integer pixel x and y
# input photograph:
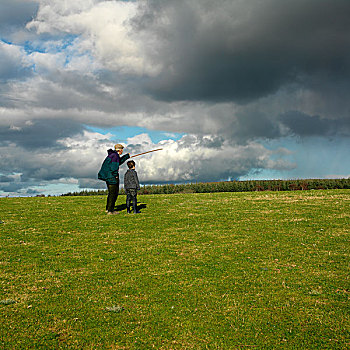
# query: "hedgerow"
{"type": "Point", "coordinates": [233, 186]}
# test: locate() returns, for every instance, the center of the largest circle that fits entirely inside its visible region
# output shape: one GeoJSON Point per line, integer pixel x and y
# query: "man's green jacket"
{"type": "Point", "coordinates": [109, 171]}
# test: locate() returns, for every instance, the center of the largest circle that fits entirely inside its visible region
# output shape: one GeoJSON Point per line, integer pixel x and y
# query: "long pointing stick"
{"type": "Point", "coordinates": [140, 154]}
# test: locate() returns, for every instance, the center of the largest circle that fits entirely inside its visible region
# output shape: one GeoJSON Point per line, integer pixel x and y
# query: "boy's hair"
{"type": "Point", "coordinates": [130, 164]}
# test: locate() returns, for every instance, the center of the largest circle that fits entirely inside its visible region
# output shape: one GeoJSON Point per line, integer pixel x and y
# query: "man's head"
{"type": "Point", "coordinates": [131, 164]}
{"type": "Point", "coordinates": [119, 148]}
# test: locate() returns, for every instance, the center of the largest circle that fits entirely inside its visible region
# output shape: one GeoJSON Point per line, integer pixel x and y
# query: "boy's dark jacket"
{"type": "Point", "coordinates": [110, 168]}
{"type": "Point", "coordinates": [131, 180]}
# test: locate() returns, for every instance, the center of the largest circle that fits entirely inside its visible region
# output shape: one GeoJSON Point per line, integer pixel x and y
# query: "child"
{"type": "Point", "coordinates": [131, 186]}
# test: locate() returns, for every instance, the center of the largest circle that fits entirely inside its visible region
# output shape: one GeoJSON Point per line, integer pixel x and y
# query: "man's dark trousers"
{"type": "Point", "coordinates": [113, 191]}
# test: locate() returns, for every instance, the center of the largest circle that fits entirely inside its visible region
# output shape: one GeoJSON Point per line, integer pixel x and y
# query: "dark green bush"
{"type": "Point", "coordinates": [233, 186]}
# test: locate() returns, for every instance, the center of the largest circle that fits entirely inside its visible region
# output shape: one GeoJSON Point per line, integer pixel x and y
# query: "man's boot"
{"type": "Point", "coordinates": [128, 207]}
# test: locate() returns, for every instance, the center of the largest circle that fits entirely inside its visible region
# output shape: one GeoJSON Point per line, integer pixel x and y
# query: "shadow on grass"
{"type": "Point", "coordinates": [121, 207]}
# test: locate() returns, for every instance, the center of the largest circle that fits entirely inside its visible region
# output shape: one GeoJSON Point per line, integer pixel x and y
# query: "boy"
{"type": "Point", "coordinates": [110, 173]}
{"type": "Point", "coordinates": [131, 186]}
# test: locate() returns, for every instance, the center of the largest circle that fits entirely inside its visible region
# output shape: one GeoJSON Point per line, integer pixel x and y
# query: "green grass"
{"type": "Point", "coordinates": [260, 270]}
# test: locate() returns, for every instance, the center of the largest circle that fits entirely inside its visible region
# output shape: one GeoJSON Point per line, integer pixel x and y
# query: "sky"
{"type": "Point", "coordinates": [230, 89]}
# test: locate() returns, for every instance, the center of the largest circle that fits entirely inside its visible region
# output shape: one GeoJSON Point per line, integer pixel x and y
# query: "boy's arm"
{"type": "Point", "coordinates": [137, 181]}
{"type": "Point", "coordinates": [126, 180]}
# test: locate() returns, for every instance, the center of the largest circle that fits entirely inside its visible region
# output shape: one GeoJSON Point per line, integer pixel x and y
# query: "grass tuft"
{"type": "Point", "coordinates": [7, 302]}
{"type": "Point", "coordinates": [115, 308]}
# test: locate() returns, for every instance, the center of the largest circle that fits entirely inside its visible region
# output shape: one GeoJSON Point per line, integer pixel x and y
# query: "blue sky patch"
{"type": "Point", "coordinates": [122, 133]}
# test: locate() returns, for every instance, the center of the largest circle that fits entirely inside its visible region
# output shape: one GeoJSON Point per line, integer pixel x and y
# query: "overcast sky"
{"type": "Point", "coordinates": [229, 89]}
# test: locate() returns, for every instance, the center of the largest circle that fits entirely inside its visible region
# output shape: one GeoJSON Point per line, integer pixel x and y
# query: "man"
{"type": "Point", "coordinates": [109, 172]}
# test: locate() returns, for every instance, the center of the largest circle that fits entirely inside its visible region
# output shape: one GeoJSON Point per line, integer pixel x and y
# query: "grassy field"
{"type": "Point", "coordinates": [259, 270]}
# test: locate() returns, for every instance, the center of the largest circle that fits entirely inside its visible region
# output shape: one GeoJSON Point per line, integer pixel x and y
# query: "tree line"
{"type": "Point", "coordinates": [232, 186]}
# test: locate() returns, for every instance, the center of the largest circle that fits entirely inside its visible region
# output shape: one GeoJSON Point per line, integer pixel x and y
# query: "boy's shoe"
{"type": "Point", "coordinates": [128, 210]}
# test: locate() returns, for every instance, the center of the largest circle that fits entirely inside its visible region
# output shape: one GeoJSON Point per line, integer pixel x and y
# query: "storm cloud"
{"type": "Point", "coordinates": [15, 14]}
{"type": "Point", "coordinates": [240, 51]}
{"type": "Point", "coordinates": [39, 133]}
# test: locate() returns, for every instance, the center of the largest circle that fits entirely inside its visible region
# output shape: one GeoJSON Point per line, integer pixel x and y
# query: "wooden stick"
{"type": "Point", "coordinates": [136, 155]}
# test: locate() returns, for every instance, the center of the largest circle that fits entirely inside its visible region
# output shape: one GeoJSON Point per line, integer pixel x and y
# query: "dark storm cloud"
{"type": "Point", "coordinates": [39, 133]}
{"type": "Point", "coordinates": [17, 186]}
{"type": "Point", "coordinates": [92, 183]}
{"type": "Point", "coordinates": [304, 125]}
{"type": "Point", "coordinates": [16, 13]}
{"type": "Point", "coordinates": [31, 191]}
{"type": "Point", "coordinates": [12, 187]}
{"type": "Point", "coordinates": [6, 179]}
{"type": "Point", "coordinates": [253, 125]}
{"type": "Point", "coordinates": [240, 51]}
{"type": "Point", "coordinates": [64, 90]}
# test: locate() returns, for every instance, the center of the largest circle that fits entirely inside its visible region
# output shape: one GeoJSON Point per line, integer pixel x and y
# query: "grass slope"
{"type": "Point", "coordinates": [195, 271]}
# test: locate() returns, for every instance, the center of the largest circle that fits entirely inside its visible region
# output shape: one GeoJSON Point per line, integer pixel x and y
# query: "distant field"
{"type": "Point", "coordinates": [254, 270]}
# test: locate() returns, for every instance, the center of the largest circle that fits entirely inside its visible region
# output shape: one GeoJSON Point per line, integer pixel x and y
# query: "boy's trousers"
{"type": "Point", "coordinates": [131, 196]}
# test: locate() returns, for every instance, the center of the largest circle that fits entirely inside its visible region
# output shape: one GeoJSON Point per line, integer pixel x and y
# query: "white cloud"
{"type": "Point", "coordinates": [47, 61]}
{"type": "Point", "coordinates": [339, 176]}
{"type": "Point", "coordinates": [14, 63]}
{"type": "Point", "coordinates": [142, 139]}
{"type": "Point", "coordinates": [190, 158]}
{"type": "Point", "coordinates": [13, 51]}
{"type": "Point", "coordinates": [103, 28]}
